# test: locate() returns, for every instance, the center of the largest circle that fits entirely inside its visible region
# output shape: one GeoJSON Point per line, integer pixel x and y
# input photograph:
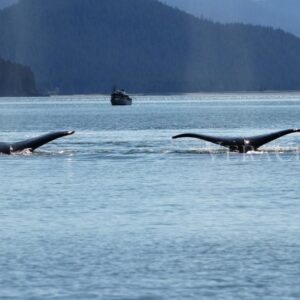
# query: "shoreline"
{"type": "Point", "coordinates": [162, 94]}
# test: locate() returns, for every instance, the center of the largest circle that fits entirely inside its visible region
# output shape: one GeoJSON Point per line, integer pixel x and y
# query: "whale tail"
{"type": "Point", "coordinates": [240, 144]}
{"type": "Point", "coordinates": [222, 141]}
{"type": "Point", "coordinates": [260, 140]}
{"type": "Point", "coordinates": [39, 141]}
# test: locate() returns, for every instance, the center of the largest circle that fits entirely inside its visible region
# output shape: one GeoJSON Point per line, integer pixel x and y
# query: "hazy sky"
{"type": "Point", "coordinates": [4, 3]}
{"type": "Point", "coordinates": [284, 14]}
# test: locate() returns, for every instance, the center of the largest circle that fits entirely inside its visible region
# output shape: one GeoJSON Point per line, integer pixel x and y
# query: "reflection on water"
{"type": "Point", "coordinates": [120, 211]}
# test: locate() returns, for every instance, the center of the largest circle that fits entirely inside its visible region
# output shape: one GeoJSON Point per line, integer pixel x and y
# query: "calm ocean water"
{"type": "Point", "coordinates": [120, 211]}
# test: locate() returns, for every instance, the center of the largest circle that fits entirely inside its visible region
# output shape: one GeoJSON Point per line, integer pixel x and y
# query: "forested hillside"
{"type": "Point", "coordinates": [16, 80]}
{"type": "Point", "coordinates": [88, 46]}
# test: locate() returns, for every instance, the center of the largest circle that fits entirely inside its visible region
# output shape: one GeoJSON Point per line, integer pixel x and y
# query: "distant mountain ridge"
{"type": "Point", "coordinates": [88, 46]}
{"type": "Point", "coordinates": [275, 13]}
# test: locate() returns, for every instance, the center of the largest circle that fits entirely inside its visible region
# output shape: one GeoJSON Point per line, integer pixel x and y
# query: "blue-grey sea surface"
{"type": "Point", "coordinates": [119, 211]}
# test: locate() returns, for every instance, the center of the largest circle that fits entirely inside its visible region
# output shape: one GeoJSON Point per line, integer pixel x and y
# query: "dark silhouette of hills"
{"type": "Point", "coordinates": [16, 80]}
{"type": "Point", "coordinates": [284, 14]}
{"type": "Point", "coordinates": [88, 46]}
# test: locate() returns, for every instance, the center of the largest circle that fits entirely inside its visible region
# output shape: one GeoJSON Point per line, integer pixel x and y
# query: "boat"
{"type": "Point", "coordinates": [119, 97]}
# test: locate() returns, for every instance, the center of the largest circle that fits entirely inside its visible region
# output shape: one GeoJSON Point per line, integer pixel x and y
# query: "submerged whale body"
{"type": "Point", "coordinates": [32, 144]}
{"type": "Point", "coordinates": [240, 144]}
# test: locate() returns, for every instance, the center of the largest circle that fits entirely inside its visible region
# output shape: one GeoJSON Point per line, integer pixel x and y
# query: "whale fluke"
{"type": "Point", "coordinates": [32, 143]}
{"type": "Point", "coordinates": [240, 144]}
